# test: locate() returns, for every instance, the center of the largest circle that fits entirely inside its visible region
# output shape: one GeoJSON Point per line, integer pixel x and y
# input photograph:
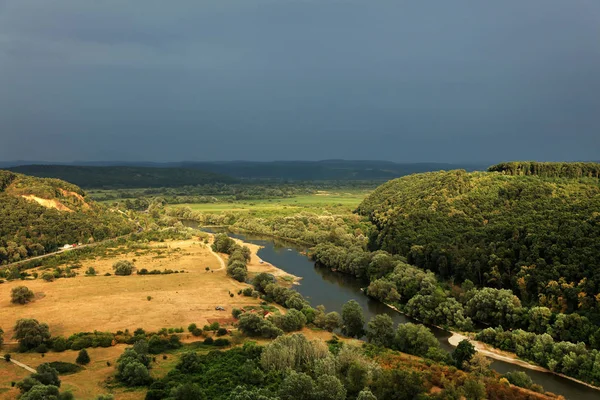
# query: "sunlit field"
{"type": "Point", "coordinates": [320, 203]}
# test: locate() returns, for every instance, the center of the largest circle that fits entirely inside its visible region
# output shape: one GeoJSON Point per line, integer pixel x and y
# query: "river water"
{"type": "Point", "coordinates": [333, 290]}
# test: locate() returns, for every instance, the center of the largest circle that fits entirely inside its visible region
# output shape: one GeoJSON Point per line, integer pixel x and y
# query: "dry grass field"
{"type": "Point", "coordinates": [111, 303]}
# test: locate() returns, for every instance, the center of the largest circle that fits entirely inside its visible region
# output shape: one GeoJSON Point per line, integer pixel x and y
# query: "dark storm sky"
{"type": "Point", "coordinates": [422, 80]}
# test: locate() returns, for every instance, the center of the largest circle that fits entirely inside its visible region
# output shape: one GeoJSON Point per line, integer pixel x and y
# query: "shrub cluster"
{"type": "Point", "coordinates": [144, 271]}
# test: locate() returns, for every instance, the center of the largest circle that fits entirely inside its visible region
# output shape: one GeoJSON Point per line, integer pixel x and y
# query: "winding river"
{"type": "Point", "coordinates": [332, 289]}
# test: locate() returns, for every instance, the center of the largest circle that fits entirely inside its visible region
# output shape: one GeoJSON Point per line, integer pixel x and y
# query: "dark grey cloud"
{"type": "Point", "coordinates": [299, 79]}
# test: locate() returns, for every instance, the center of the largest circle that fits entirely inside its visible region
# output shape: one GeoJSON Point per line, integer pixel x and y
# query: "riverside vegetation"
{"type": "Point", "coordinates": [373, 250]}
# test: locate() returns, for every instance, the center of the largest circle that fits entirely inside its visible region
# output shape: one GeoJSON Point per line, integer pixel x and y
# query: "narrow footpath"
{"type": "Point", "coordinates": [20, 364]}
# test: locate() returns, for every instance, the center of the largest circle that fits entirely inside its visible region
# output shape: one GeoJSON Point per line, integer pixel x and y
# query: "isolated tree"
{"type": "Point", "coordinates": [353, 319]}
{"type": "Point", "coordinates": [30, 333]}
{"type": "Point", "coordinates": [123, 267]}
{"type": "Point", "coordinates": [83, 357]}
{"type": "Point", "coordinates": [380, 330]}
{"type": "Point", "coordinates": [463, 353]}
{"type": "Point", "coordinates": [91, 271]}
{"type": "Point", "coordinates": [21, 295]}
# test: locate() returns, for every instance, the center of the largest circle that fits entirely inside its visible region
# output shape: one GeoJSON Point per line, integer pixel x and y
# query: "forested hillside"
{"type": "Point", "coordinates": [124, 177]}
{"type": "Point", "coordinates": [536, 235]}
{"type": "Point", "coordinates": [39, 215]}
{"type": "Point", "coordinates": [549, 169]}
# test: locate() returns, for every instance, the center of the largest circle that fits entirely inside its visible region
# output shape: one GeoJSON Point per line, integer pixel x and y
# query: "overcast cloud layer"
{"type": "Point", "coordinates": [299, 79]}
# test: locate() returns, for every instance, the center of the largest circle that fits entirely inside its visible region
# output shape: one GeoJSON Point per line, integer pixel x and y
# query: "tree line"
{"type": "Point", "coordinates": [549, 169]}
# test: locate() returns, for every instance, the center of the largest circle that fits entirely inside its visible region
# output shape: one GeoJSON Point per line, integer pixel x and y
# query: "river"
{"type": "Point", "coordinates": [333, 290]}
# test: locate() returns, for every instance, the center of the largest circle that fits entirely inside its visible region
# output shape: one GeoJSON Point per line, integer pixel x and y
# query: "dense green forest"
{"type": "Point", "coordinates": [538, 236]}
{"type": "Point", "coordinates": [124, 177]}
{"type": "Point", "coordinates": [549, 169]}
{"type": "Point", "coordinates": [28, 228]}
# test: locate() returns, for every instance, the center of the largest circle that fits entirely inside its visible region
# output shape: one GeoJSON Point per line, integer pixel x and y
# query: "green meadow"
{"type": "Point", "coordinates": [320, 203]}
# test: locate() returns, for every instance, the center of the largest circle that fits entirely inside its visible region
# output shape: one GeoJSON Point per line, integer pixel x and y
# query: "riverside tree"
{"type": "Point", "coordinates": [353, 319]}
{"type": "Point", "coordinates": [380, 330]}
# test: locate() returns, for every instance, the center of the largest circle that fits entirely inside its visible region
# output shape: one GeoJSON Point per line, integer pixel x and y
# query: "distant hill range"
{"type": "Point", "coordinates": [124, 176]}
{"type": "Point", "coordinates": [147, 174]}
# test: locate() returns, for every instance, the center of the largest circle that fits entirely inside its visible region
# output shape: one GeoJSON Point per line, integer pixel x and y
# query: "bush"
{"type": "Point", "coordinates": [192, 327]}
{"type": "Point", "coordinates": [222, 332]}
{"type": "Point", "coordinates": [247, 292]}
{"type": "Point", "coordinates": [519, 378]}
{"type": "Point", "coordinates": [65, 368]}
{"type": "Point", "coordinates": [197, 332]}
{"type": "Point", "coordinates": [59, 344]}
{"type": "Point", "coordinates": [221, 342]}
{"type": "Point", "coordinates": [90, 271]}
{"type": "Point", "coordinates": [7, 357]}
{"type": "Point", "coordinates": [21, 295]}
{"type": "Point", "coordinates": [42, 348]}
{"type": "Point", "coordinates": [83, 357]}
{"type": "Point", "coordinates": [48, 276]}
{"type": "Point", "coordinates": [208, 340]}
{"type": "Point", "coordinates": [123, 267]}
{"type": "Point", "coordinates": [236, 312]}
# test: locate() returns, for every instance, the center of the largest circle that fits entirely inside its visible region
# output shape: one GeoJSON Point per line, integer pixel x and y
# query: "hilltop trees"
{"type": "Point", "coordinates": [21, 295]}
